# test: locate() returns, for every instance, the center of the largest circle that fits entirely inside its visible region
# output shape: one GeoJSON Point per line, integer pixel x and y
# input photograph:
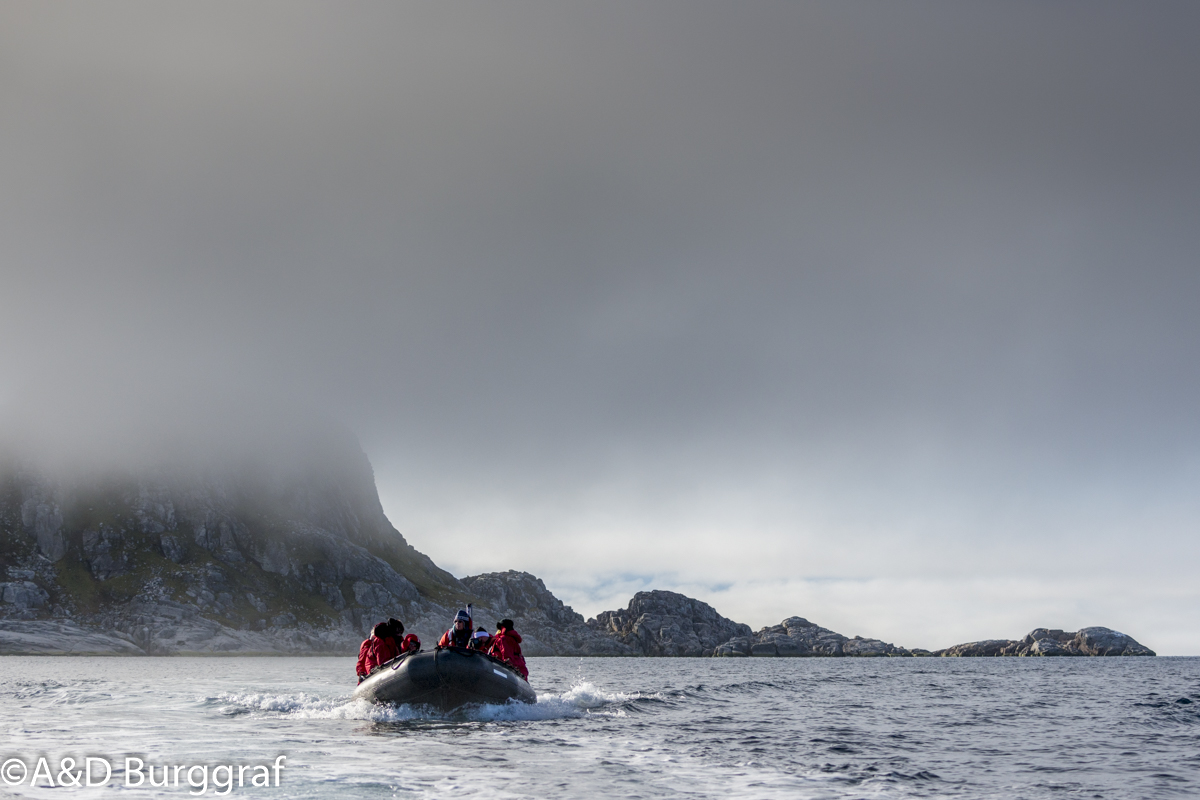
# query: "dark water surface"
{"type": "Point", "coordinates": [643, 728]}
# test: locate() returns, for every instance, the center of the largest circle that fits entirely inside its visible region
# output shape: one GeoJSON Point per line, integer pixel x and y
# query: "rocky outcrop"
{"type": "Point", "coordinates": [668, 624]}
{"type": "Point", "coordinates": [23, 598]}
{"type": "Point", "coordinates": [547, 626]}
{"type": "Point", "coordinates": [858, 647]}
{"type": "Point", "coordinates": [520, 594]}
{"type": "Point", "coordinates": [1054, 642]}
{"type": "Point", "coordinates": [1106, 642]}
{"type": "Point", "coordinates": [797, 637]}
{"type": "Point", "coordinates": [987, 647]}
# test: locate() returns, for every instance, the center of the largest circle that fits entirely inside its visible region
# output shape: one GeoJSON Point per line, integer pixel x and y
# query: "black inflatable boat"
{"type": "Point", "coordinates": [445, 678]}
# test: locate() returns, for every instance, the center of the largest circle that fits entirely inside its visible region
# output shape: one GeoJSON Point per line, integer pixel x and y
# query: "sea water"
{"type": "Point", "coordinates": [638, 728]}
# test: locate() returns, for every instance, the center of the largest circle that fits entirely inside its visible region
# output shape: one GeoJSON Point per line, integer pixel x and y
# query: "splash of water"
{"type": "Point", "coordinates": [582, 698]}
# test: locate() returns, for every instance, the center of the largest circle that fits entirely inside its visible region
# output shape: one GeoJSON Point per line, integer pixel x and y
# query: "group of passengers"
{"type": "Point", "coordinates": [504, 644]}
{"type": "Point", "coordinates": [385, 643]}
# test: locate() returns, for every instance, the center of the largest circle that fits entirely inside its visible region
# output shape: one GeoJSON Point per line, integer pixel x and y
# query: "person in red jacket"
{"type": "Point", "coordinates": [378, 649]}
{"type": "Point", "coordinates": [506, 646]}
{"type": "Point", "coordinates": [460, 634]}
{"type": "Point", "coordinates": [411, 644]}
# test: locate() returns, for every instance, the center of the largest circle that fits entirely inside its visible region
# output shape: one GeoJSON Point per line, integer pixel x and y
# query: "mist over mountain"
{"type": "Point", "coordinates": [266, 531]}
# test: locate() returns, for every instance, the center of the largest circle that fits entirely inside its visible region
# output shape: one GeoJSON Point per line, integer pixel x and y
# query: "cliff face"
{"type": "Point", "coordinates": [291, 552]}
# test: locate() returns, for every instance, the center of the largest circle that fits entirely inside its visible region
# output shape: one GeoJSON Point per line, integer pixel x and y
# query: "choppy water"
{"type": "Point", "coordinates": [645, 728]}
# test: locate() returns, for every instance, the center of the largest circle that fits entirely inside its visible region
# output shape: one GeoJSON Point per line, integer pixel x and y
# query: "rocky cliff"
{"type": "Point", "coordinates": [287, 553]}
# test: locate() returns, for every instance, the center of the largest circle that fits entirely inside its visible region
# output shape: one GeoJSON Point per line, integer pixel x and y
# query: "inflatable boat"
{"type": "Point", "coordinates": [445, 678]}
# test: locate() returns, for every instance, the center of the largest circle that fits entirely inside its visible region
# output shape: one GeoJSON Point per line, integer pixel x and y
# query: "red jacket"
{"type": "Point", "coordinates": [373, 652]}
{"type": "Point", "coordinates": [506, 646]}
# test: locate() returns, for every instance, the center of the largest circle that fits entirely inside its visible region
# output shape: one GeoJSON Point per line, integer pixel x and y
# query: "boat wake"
{"type": "Point", "coordinates": [580, 700]}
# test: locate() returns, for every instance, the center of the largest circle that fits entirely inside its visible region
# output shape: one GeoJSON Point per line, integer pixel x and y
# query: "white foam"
{"type": "Point", "coordinates": [582, 699]}
{"type": "Point", "coordinates": [586, 695]}
{"type": "Point", "coordinates": [306, 706]}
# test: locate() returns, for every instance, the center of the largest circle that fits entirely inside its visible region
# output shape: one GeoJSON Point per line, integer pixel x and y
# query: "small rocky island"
{"type": "Point", "coordinates": [291, 553]}
{"type": "Point", "coordinates": [1054, 642]}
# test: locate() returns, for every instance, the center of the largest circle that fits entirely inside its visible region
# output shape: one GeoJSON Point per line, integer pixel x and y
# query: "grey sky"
{"type": "Point", "coordinates": [883, 314]}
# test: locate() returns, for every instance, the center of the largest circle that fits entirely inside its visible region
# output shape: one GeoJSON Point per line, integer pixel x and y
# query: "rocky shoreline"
{"type": "Point", "coordinates": [293, 555]}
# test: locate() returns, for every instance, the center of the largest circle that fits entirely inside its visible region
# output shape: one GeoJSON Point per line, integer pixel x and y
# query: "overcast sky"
{"type": "Point", "coordinates": [883, 314]}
